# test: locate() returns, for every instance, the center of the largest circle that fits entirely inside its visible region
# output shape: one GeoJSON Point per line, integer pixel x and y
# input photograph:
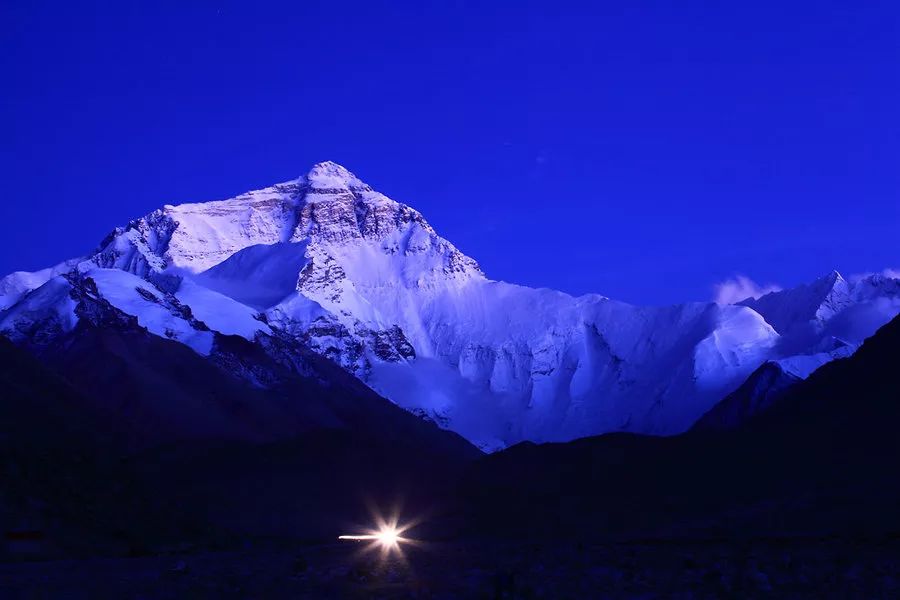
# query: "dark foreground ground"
{"type": "Point", "coordinates": [740, 503]}
{"type": "Point", "coordinates": [810, 568]}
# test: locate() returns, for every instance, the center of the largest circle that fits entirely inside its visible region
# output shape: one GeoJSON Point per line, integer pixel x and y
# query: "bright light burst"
{"type": "Point", "coordinates": [387, 536]}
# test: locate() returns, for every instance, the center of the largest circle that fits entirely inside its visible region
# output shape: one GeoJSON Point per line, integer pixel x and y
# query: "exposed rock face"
{"type": "Point", "coordinates": [139, 248]}
{"type": "Point", "coordinates": [325, 263]}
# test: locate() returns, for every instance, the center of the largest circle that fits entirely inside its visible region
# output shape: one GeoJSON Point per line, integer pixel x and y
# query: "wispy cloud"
{"type": "Point", "coordinates": [741, 287]}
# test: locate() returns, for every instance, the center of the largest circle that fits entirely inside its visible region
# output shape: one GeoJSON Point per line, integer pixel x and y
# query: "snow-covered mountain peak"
{"type": "Point", "coordinates": [826, 283]}
{"type": "Point", "coordinates": [323, 248]}
{"type": "Point", "coordinates": [329, 210]}
{"type": "Point", "coordinates": [831, 282]}
{"type": "Point", "coordinates": [326, 263]}
{"type": "Point", "coordinates": [830, 306]}
{"type": "Point", "coordinates": [329, 175]}
{"type": "Point", "coordinates": [817, 301]}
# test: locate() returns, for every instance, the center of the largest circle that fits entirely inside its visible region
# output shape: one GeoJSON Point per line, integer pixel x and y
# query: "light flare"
{"type": "Point", "coordinates": [387, 535]}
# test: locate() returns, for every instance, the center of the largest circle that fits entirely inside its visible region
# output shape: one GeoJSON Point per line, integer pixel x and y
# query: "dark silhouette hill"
{"type": "Point", "coordinates": [121, 441]}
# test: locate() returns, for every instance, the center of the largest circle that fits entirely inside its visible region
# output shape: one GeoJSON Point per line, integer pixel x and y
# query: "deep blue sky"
{"type": "Point", "coordinates": [640, 150]}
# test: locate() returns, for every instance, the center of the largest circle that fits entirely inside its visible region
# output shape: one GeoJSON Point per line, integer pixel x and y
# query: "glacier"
{"type": "Point", "coordinates": [339, 268]}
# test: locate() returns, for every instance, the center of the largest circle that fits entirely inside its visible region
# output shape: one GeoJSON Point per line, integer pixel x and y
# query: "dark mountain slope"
{"type": "Point", "coordinates": [125, 440]}
{"type": "Point", "coordinates": [820, 461]}
{"type": "Point", "coordinates": [60, 461]}
{"type": "Point", "coordinates": [765, 386]}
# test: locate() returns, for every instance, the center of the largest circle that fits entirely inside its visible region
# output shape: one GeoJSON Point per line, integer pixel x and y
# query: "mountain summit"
{"type": "Point", "coordinates": [326, 263]}
{"type": "Point", "coordinates": [329, 175]}
{"type": "Point", "coordinates": [818, 301]}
